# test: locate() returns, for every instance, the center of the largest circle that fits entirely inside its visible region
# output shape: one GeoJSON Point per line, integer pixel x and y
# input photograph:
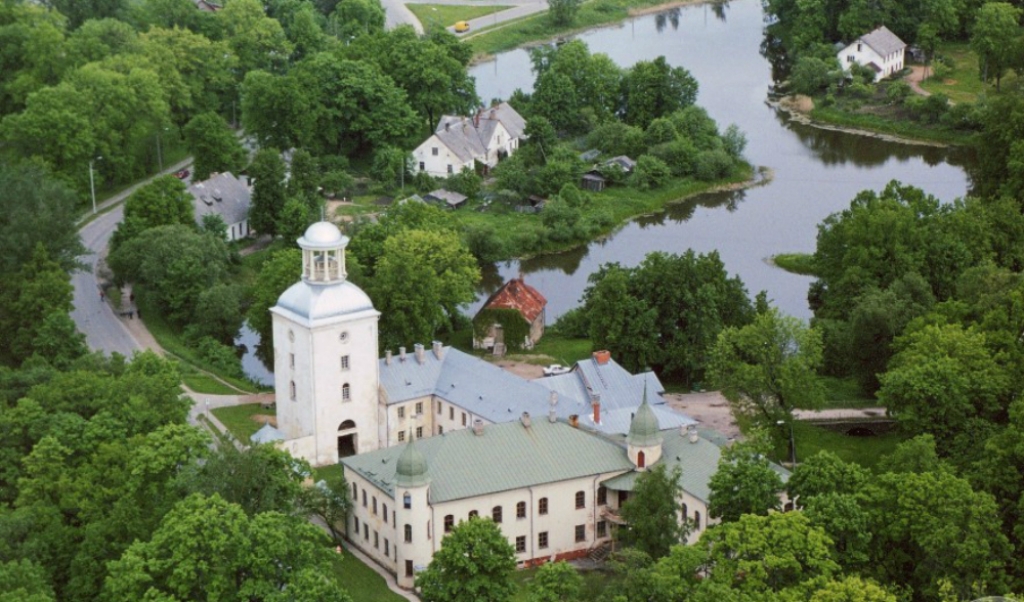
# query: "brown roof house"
{"type": "Point", "coordinates": [511, 320]}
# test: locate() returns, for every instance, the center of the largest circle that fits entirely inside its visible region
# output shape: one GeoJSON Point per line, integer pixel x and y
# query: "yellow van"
{"type": "Point", "coordinates": [462, 27]}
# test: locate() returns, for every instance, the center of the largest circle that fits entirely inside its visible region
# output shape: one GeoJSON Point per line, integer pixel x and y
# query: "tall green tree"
{"type": "Point", "coordinates": [654, 89]}
{"type": "Point", "coordinates": [40, 288]}
{"type": "Point", "coordinates": [651, 513]}
{"type": "Point", "coordinates": [268, 195]}
{"type": "Point", "coordinates": [281, 270]}
{"type": "Point", "coordinates": [563, 12]}
{"type": "Point", "coordinates": [474, 564]}
{"type": "Point", "coordinates": [769, 368]}
{"type": "Point", "coordinates": [745, 483]}
{"type": "Point", "coordinates": [422, 279]}
{"type": "Point", "coordinates": [257, 40]}
{"type": "Point", "coordinates": [996, 38]}
{"type": "Point", "coordinates": [214, 146]}
{"type": "Point", "coordinates": [163, 202]}
{"type": "Point", "coordinates": [555, 582]}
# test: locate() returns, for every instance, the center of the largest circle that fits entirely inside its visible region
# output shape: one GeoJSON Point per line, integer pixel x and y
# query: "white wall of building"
{"type": "Point", "coordinates": [862, 54]}
{"type": "Point", "coordinates": [435, 158]}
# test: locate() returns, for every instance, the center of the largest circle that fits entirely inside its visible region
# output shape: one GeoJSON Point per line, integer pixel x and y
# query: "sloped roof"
{"type": "Point", "coordinates": [622, 161]}
{"type": "Point", "coordinates": [467, 137]}
{"type": "Point", "coordinates": [505, 457]}
{"type": "Point", "coordinates": [267, 434]}
{"type": "Point", "coordinates": [452, 199]}
{"type": "Point", "coordinates": [883, 41]}
{"type": "Point", "coordinates": [499, 396]}
{"type": "Point", "coordinates": [698, 462]}
{"type": "Point", "coordinates": [222, 194]}
{"type": "Point", "coordinates": [516, 294]}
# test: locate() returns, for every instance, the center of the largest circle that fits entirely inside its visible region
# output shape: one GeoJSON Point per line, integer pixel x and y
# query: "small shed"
{"type": "Point", "coordinates": [447, 198]}
{"type": "Point", "coordinates": [627, 164]}
{"type": "Point", "coordinates": [593, 181]}
{"type": "Point", "coordinates": [512, 318]}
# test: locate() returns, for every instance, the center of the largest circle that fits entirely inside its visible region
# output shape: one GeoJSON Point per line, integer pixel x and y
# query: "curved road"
{"type": "Point", "coordinates": [104, 330]}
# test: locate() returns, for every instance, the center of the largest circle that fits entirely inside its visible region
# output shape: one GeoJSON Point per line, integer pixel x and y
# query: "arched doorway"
{"type": "Point", "coordinates": [347, 440]}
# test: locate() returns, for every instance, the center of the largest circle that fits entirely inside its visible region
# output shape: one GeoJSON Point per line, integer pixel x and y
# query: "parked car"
{"type": "Point", "coordinates": [181, 174]}
{"type": "Point", "coordinates": [462, 27]}
{"type": "Point", "coordinates": [555, 369]}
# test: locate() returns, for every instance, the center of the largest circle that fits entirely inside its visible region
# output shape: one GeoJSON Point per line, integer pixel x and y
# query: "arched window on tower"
{"type": "Point", "coordinates": [346, 392]}
{"type": "Point", "coordinates": [641, 460]}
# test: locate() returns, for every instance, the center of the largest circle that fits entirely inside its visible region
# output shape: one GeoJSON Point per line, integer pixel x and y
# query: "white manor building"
{"type": "Point", "coordinates": [429, 438]}
{"type": "Point", "coordinates": [881, 50]}
{"type": "Point", "coordinates": [459, 142]}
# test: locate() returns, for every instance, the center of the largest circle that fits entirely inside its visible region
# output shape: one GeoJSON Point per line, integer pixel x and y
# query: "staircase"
{"type": "Point", "coordinates": [599, 553]}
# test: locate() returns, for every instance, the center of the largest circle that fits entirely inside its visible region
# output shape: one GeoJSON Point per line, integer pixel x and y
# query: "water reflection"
{"type": "Point", "coordinates": [248, 342]}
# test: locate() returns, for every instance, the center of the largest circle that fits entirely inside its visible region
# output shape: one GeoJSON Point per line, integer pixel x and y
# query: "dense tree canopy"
{"type": "Point", "coordinates": [653, 523]}
{"type": "Point", "coordinates": [474, 564]}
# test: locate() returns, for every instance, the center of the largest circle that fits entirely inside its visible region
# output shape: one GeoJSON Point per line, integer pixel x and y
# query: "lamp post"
{"type": "Point", "coordinates": [792, 441]}
{"type": "Point", "coordinates": [92, 184]}
{"type": "Point", "coordinates": [159, 152]}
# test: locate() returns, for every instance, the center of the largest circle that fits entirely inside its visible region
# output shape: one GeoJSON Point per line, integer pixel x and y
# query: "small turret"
{"type": "Point", "coordinates": [644, 438]}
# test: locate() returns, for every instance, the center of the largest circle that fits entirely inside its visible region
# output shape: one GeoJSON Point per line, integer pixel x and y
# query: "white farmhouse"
{"type": "Point", "coordinates": [226, 196]}
{"type": "Point", "coordinates": [458, 142]}
{"type": "Point", "coordinates": [880, 50]}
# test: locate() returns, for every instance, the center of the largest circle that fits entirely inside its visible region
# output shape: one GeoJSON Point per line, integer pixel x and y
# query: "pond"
{"type": "Point", "coordinates": [816, 172]}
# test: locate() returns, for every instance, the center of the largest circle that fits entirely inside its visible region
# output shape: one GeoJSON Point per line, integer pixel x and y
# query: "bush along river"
{"type": "Point", "coordinates": [816, 171]}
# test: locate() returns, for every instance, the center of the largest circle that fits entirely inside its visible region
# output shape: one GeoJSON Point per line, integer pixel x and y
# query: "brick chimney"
{"type": "Point", "coordinates": [595, 402]}
{"type": "Point", "coordinates": [602, 356]}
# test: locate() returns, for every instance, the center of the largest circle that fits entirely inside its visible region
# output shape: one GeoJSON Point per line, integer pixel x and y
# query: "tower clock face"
{"type": "Point", "coordinates": [343, 336]}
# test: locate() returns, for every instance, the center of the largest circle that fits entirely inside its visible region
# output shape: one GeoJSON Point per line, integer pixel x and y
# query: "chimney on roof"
{"type": "Point", "coordinates": [420, 355]}
{"type": "Point", "coordinates": [478, 427]}
{"type": "Point", "coordinates": [447, 125]}
{"type": "Point", "coordinates": [602, 357]}
{"type": "Point", "coordinates": [691, 433]}
{"type": "Point", "coordinates": [574, 421]}
{"type": "Point", "coordinates": [387, 357]}
{"type": "Point", "coordinates": [553, 398]}
{"type": "Point", "coordinates": [476, 118]}
{"type": "Point", "coordinates": [525, 419]}
{"type": "Point", "coordinates": [401, 354]}
{"type": "Point", "coordinates": [493, 111]}
{"type": "Point", "coordinates": [438, 348]}
{"type": "Point", "coordinates": [595, 402]}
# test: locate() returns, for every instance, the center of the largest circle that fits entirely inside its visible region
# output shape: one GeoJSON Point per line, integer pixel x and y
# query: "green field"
{"type": "Point", "coordinates": [963, 83]}
{"type": "Point", "coordinates": [811, 439]}
{"type": "Point", "coordinates": [239, 419]}
{"type": "Point", "coordinates": [446, 15]}
{"type": "Point", "coordinates": [362, 582]}
{"type": "Point", "coordinates": [562, 350]}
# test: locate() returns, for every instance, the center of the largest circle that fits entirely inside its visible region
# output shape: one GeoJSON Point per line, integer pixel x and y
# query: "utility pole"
{"type": "Point", "coordinates": [92, 186]}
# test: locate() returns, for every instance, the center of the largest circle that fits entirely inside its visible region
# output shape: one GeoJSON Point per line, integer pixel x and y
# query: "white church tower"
{"type": "Point", "coordinates": [325, 356]}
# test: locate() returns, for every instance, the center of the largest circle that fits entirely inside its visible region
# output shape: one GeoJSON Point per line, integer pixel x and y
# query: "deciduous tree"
{"type": "Point", "coordinates": [474, 564]}
{"type": "Point", "coordinates": [651, 512]}
{"type": "Point", "coordinates": [213, 145]}
{"type": "Point", "coordinates": [745, 483]}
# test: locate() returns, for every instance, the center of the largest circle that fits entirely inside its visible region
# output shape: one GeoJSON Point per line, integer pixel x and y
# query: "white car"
{"type": "Point", "coordinates": [554, 369]}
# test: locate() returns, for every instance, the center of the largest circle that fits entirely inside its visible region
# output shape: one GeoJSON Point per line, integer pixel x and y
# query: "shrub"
{"type": "Point", "coordinates": [573, 323]}
{"type": "Point", "coordinates": [810, 75]}
{"type": "Point", "coordinates": [661, 130]}
{"type": "Point", "coordinates": [651, 172]}
{"type": "Point", "coordinates": [220, 357]}
{"type": "Point", "coordinates": [897, 92]}
{"type": "Point", "coordinates": [712, 165]}
{"type": "Point", "coordinates": [858, 90]}
{"type": "Point", "coordinates": [680, 156]}
{"type": "Point", "coordinates": [963, 116]}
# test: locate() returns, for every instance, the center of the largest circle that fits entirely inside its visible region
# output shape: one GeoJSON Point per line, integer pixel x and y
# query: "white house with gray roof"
{"type": "Point", "coordinates": [459, 142]}
{"type": "Point", "coordinates": [226, 196]}
{"type": "Point", "coordinates": [555, 490]}
{"type": "Point", "coordinates": [881, 50]}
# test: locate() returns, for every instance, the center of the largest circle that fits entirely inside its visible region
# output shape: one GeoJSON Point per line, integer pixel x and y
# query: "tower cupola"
{"type": "Point", "coordinates": [323, 254]}
{"type": "Point", "coordinates": [411, 470]}
{"type": "Point", "coordinates": [644, 438]}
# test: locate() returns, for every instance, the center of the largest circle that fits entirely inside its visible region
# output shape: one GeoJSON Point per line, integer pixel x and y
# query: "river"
{"type": "Point", "coordinates": [817, 172]}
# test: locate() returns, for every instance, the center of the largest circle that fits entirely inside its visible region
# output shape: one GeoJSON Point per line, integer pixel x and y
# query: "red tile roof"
{"type": "Point", "coordinates": [518, 295]}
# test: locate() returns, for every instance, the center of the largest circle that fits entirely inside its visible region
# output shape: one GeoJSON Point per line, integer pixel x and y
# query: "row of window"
{"type": "Point", "coordinates": [580, 500]}
{"type": "Point", "coordinates": [346, 391]}
{"type": "Point", "coordinates": [580, 535]}
{"type": "Point", "coordinates": [696, 517]}
{"type": "Point", "coordinates": [376, 537]}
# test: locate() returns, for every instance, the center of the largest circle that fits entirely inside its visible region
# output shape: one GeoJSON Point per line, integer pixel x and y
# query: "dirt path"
{"type": "Point", "coordinates": [915, 77]}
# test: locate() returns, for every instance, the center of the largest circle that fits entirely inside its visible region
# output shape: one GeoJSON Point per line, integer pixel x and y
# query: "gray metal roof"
{"type": "Point", "coordinates": [505, 457]}
{"type": "Point", "coordinates": [222, 194]}
{"type": "Point", "coordinates": [317, 301]}
{"type": "Point", "coordinates": [451, 198]}
{"type": "Point", "coordinates": [498, 396]}
{"type": "Point", "coordinates": [698, 461]}
{"type": "Point", "coordinates": [883, 41]}
{"type": "Point", "coordinates": [267, 434]}
{"type": "Point", "coordinates": [467, 137]}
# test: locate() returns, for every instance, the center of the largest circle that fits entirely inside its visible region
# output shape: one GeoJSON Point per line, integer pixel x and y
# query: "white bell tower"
{"type": "Point", "coordinates": [325, 356]}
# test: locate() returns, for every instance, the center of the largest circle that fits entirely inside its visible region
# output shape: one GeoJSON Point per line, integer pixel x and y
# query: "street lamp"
{"type": "Point", "coordinates": [159, 152]}
{"type": "Point", "coordinates": [92, 184]}
{"type": "Point", "coordinates": [792, 441]}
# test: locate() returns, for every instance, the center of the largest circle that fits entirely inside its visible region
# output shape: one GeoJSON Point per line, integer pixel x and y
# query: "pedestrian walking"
{"type": "Point", "coordinates": [103, 295]}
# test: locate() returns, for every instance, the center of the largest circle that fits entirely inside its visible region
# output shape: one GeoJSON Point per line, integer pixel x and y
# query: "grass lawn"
{"type": "Point", "coordinates": [362, 582]}
{"type": "Point", "coordinates": [563, 350]}
{"type": "Point", "coordinates": [539, 27]}
{"type": "Point", "coordinates": [963, 83]}
{"type": "Point", "coordinates": [238, 419]}
{"type": "Point", "coordinates": [811, 439]}
{"type": "Point", "coordinates": [331, 473]}
{"type": "Point", "coordinates": [446, 15]}
{"type": "Point", "coordinates": [846, 393]}
{"type": "Point", "coordinates": [594, 583]}
{"type": "Point", "coordinates": [203, 383]}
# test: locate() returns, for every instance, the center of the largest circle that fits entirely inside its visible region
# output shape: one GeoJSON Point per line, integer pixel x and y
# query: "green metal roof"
{"type": "Point", "coordinates": [698, 461]}
{"type": "Point", "coordinates": [507, 456]}
{"type": "Point", "coordinates": [644, 429]}
{"type": "Point", "coordinates": [411, 469]}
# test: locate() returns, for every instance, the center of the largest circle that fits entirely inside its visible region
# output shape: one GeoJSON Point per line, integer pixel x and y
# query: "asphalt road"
{"type": "Point", "coordinates": [104, 330]}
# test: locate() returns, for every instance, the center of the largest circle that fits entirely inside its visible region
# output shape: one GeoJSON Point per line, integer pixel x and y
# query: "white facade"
{"type": "Point", "coordinates": [880, 50]}
{"type": "Point", "coordinates": [436, 159]}
{"type": "Point", "coordinates": [459, 142]}
{"type": "Point", "coordinates": [325, 357]}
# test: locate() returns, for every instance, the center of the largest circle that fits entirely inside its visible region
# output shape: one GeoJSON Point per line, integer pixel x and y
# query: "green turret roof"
{"type": "Point", "coordinates": [411, 470]}
{"type": "Point", "coordinates": [644, 430]}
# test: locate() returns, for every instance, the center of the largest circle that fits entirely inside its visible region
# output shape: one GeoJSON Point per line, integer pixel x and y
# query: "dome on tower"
{"type": "Point", "coordinates": [323, 235]}
{"type": "Point", "coordinates": [411, 470]}
{"type": "Point", "coordinates": [644, 430]}
{"type": "Point", "coordinates": [317, 302]}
